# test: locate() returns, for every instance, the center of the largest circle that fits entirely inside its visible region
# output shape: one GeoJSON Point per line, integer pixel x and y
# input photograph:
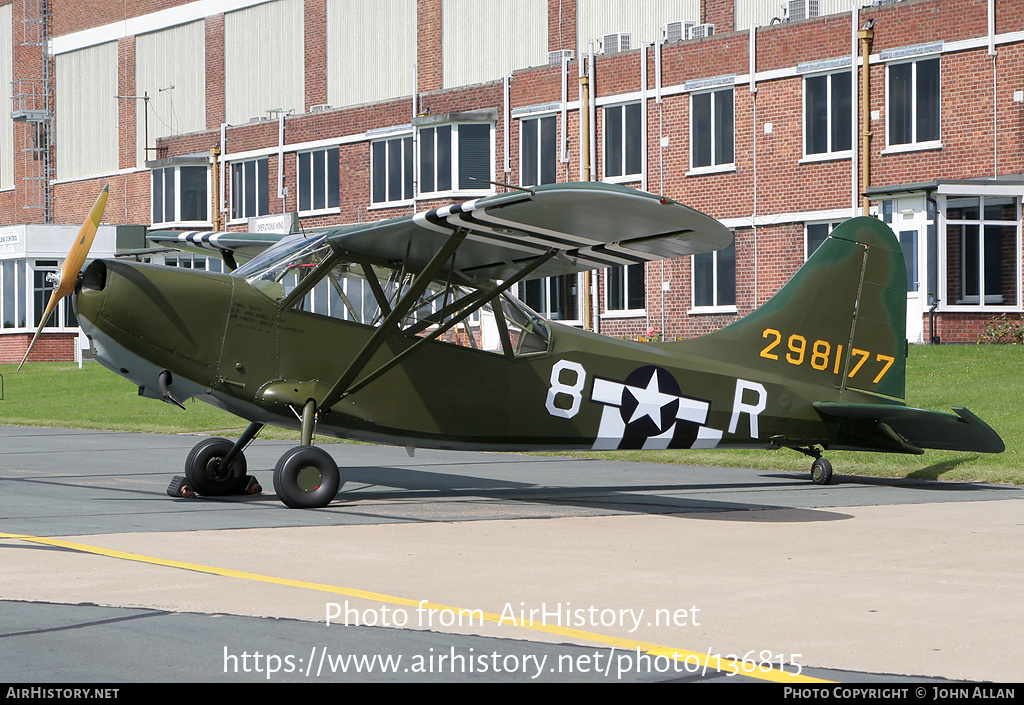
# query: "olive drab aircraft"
{"type": "Point", "coordinates": [405, 331]}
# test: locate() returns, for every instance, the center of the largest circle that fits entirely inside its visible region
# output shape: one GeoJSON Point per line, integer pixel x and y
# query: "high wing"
{"type": "Point", "coordinates": [587, 225]}
{"type": "Point", "coordinates": [231, 246]}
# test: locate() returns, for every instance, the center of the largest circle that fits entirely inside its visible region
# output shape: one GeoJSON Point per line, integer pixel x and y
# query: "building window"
{"type": "Point", "coordinates": [318, 180]}
{"type": "Point", "coordinates": [624, 289]}
{"type": "Point", "coordinates": [538, 148]}
{"type": "Point", "coordinates": [712, 129]}
{"type": "Point", "coordinates": [12, 303]}
{"type": "Point", "coordinates": [982, 258]}
{"type": "Point", "coordinates": [827, 114]}
{"type": "Point", "coordinates": [816, 234]}
{"type": "Point", "coordinates": [188, 260]}
{"type": "Point", "coordinates": [913, 103]}
{"type": "Point", "coordinates": [556, 298]}
{"type": "Point", "coordinates": [714, 278]}
{"type": "Point", "coordinates": [392, 170]}
{"type": "Point", "coordinates": [180, 195]}
{"type": "Point", "coordinates": [455, 155]}
{"type": "Point", "coordinates": [249, 189]}
{"type": "Point", "coordinates": [63, 316]}
{"type": "Point", "coordinates": [623, 154]}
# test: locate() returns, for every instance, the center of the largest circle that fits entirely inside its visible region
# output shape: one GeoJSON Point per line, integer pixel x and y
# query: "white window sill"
{"type": "Point", "coordinates": [826, 157]}
{"type": "Point", "coordinates": [191, 224]}
{"type": "Point", "coordinates": [627, 313]}
{"type": "Point", "coordinates": [455, 194]}
{"type": "Point", "coordinates": [321, 211]}
{"type": "Point", "coordinates": [913, 147]}
{"type": "Point", "coordinates": [625, 179]}
{"type": "Point", "coordinates": [389, 204]}
{"type": "Point", "coordinates": [703, 310]}
{"type": "Point", "coordinates": [716, 169]}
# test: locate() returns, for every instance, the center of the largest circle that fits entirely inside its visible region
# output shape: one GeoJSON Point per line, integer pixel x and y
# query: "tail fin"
{"type": "Point", "coordinates": [840, 321]}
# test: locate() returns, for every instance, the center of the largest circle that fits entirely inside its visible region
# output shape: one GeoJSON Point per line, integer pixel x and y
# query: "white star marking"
{"type": "Point", "coordinates": [650, 401]}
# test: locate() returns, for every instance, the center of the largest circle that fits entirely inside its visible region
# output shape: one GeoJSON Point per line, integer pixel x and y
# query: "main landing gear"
{"type": "Point", "coordinates": [306, 477]}
{"type": "Point", "coordinates": [821, 469]}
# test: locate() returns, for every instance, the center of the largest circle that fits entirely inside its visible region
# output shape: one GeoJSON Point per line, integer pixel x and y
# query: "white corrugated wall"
{"type": "Point", "coordinates": [596, 18]}
{"type": "Point", "coordinates": [87, 112]}
{"type": "Point", "coordinates": [171, 111]}
{"type": "Point", "coordinates": [371, 50]}
{"type": "Point", "coordinates": [761, 12]}
{"type": "Point", "coordinates": [263, 60]}
{"type": "Point", "coordinates": [486, 39]}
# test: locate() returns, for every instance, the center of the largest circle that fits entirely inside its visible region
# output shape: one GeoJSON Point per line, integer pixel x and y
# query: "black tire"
{"type": "Point", "coordinates": [821, 472]}
{"type": "Point", "coordinates": [205, 474]}
{"type": "Point", "coordinates": [306, 478]}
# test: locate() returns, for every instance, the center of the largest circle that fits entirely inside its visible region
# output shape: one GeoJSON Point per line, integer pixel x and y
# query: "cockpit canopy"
{"type": "Point", "coordinates": [308, 274]}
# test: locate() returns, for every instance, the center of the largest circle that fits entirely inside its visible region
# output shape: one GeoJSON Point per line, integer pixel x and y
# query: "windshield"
{"type": "Point", "coordinates": [283, 265]}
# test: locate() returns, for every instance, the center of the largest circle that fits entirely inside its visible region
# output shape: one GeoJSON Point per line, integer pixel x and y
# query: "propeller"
{"type": "Point", "coordinates": [64, 279]}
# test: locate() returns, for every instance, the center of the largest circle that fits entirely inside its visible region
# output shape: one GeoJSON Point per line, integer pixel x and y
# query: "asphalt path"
{"type": "Point", "coordinates": [430, 568]}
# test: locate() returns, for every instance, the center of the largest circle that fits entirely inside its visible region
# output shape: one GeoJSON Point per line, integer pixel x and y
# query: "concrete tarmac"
{"type": "Point", "coordinates": [105, 578]}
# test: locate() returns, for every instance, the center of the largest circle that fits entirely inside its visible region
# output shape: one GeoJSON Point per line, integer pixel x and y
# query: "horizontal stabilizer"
{"type": "Point", "coordinates": [918, 428]}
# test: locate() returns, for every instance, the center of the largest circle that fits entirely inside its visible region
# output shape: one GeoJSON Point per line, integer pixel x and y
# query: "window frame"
{"type": "Point", "coordinates": [915, 144]}
{"type": "Point", "coordinates": [455, 156]}
{"type": "Point", "coordinates": [716, 272]}
{"type": "Point", "coordinates": [830, 224]}
{"type": "Point", "coordinates": [715, 166]}
{"type": "Point", "coordinates": [541, 157]}
{"type": "Point", "coordinates": [331, 187]}
{"type": "Point", "coordinates": [981, 222]}
{"type": "Point", "coordinates": [176, 194]}
{"type": "Point", "coordinates": [628, 139]}
{"type": "Point", "coordinates": [629, 271]}
{"type": "Point", "coordinates": [547, 283]}
{"type": "Point", "coordinates": [238, 189]}
{"type": "Point", "coordinates": [407, 158]}
{"type": "Point", "coordinates": [832, 110]}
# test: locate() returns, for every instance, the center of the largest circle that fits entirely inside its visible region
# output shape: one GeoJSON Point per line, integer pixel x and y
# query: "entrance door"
{"type": "Point", "coordinates": [908, 218]}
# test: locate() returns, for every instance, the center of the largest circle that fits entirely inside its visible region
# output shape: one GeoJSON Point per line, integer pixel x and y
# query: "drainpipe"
{"type": "Point", "coordinates": [215, 210]}
{"type": "Point", "coordinates": [585, 304]}
{"type": "Point", "coordinates": [866, 35]}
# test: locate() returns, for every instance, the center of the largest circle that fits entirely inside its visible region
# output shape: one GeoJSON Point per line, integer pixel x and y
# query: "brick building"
{"type": "Point", "coordinates": [207, 114]}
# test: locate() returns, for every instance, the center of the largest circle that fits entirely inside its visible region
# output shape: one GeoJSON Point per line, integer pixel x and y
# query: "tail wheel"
{"type": "Point", "coordinates": [306, 477]}
{"type": "Point", "coordinates": [207, 475]}
{"type": "Point", "coordinates": [821, 472]}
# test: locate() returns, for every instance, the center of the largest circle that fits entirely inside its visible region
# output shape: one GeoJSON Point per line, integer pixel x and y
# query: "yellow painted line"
{"type": "Point", "coordinates": [705, 660]}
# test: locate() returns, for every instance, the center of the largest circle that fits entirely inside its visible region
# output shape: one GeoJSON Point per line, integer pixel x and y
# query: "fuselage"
{"type": "Point", "coordinates": [226, 342]}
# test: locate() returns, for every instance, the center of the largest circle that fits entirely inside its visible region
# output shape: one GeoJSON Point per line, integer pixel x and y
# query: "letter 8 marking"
{"type": "Point", "coordinates": [574, 391]}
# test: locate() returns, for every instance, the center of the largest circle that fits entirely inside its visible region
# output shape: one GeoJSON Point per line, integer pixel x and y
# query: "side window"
{"type": "Point", "coordinates": [827, 114]}
{"type": "Point", "coordinates": [714, 278]}
{"type": "Point", "coordinates": [711, 129]}
{"type": "Point", "coordinates": [913, 102]}
{"type": "Point", "coordinates": [180, 194]}
{"type": "Point", "coordinates": [816, 234]}
{"type": "Point", "coordinates": [622, 142]}
{"type": "Point", "coordinates": [455, 157]}
{"type": "Point", "coordinates": [318, 180]}
{"type": "Point", "coordinates": [624, 289]}
{"type": "Point", "coordinates": [391, 170]}
{"type": "Point", "coordinates": [556, 298]}
{"type": "Point", "coordinates": [249, 189]}
{"type": "Point", "coordinates": [982, 256]}
{"type": "Point", "coordinates": [538, 151]}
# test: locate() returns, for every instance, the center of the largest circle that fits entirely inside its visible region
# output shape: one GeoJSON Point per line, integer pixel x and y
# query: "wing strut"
{"type": "Point", "coordinates": [391, 321]}
{"type": "Point", "coordinates": [481, 301]}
